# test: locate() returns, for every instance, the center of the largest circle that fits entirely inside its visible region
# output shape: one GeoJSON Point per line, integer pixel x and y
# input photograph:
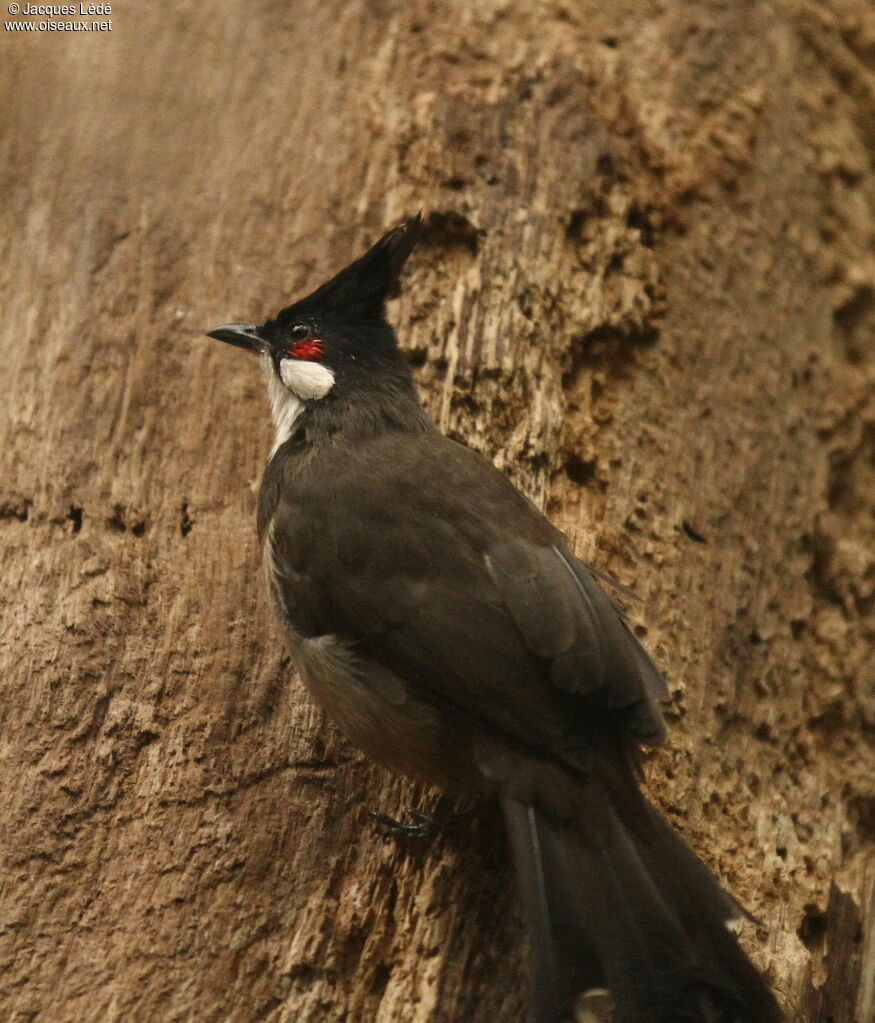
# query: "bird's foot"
{"type": "Point", "coordinates": [423, 828]}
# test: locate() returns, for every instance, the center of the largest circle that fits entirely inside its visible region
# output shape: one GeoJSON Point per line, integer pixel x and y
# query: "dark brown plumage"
{"type": "Point", "coordinates": [448, 629]}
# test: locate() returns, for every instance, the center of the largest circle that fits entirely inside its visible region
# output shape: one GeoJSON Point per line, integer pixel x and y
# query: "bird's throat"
{"type": "Point", "coordinates": [285, 406]}
{"type": "Point", "coordinates": [390, 404]}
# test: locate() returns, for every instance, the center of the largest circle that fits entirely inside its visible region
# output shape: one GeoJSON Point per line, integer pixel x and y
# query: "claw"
{"type": "Point", "coordinates": [423, 829]}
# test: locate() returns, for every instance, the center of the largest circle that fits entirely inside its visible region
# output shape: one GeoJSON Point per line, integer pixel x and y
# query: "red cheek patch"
{"type": "Point", "coordinates": [308, 349]}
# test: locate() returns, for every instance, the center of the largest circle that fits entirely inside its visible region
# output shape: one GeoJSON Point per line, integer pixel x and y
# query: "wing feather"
{"type": "Point", "coordinates": [494, 617]}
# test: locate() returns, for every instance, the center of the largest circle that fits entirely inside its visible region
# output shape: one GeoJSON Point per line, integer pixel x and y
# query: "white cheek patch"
{"type": "Point", "coordinates": [306, 379]}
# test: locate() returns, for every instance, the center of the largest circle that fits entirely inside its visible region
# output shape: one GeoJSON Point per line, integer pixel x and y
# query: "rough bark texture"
{"type": "Point", "coordinates": [647, 291]}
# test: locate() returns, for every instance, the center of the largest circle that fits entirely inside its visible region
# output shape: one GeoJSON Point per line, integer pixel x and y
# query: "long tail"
{"type": "Point", "coordinates": [614, 899]}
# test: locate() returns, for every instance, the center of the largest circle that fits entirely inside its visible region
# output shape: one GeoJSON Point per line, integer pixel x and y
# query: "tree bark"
{"type": "Point", "coordinates": [647, 291]}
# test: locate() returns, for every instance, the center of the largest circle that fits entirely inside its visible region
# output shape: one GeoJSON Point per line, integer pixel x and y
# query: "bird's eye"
{"type": "Point", "coordinates": [308, 348]}
{"type": "Point", "coordinates": [300, 330]}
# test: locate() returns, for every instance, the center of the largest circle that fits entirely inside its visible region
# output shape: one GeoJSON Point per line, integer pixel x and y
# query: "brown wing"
{"type": "Point", "coordinates": [566, 618]}
{"type": "Point", "coordinates": [493, 618]}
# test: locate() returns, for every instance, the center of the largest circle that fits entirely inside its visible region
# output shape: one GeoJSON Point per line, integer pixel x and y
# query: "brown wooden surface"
{"type": "Point", "coordinates": [647, 291]}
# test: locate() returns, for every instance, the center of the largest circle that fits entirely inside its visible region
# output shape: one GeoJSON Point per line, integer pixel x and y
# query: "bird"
{"type": "Point", "coordinates": [449, 631]}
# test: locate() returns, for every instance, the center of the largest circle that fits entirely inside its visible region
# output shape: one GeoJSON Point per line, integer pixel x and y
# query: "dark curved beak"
{"type": "Point", "coordinates": [243, 335]}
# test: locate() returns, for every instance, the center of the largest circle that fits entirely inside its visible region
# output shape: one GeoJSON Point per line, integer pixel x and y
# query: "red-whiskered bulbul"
{"type": "Point", "coordinates": [449, 631]}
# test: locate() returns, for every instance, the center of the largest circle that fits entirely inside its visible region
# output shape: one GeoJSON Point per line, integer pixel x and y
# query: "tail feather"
{"type": "Point", "coordinates": [545, 919]}
{"type": "Point", "coordinates": [615, 899]}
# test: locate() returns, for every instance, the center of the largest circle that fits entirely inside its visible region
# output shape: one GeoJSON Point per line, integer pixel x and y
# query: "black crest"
{"type": "Point", "coordinates": [360, 290]}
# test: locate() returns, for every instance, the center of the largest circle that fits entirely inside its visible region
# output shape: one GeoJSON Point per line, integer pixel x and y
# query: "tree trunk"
{"type": "Point", "coordinates": [647, 291]}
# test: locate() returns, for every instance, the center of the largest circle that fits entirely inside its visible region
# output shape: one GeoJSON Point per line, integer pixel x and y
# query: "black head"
{"type": "Point", "coordinates": [339, 330]}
